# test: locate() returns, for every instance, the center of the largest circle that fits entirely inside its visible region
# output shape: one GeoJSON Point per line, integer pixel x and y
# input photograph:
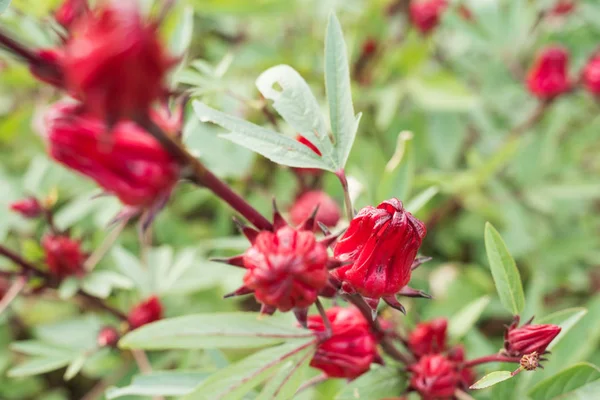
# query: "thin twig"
{"type": "Point", "coordinates": [102, 305]}
{"type": "Point", "coordinates": [323, 315]}
{"type": "Point", "coordinates": [12, 292]}
{"type": "Point", "coordinates": [347, 200]}
{"type": "Point", "coordinates": [491, 358]}
{"type": "Point", "coordinates": [24, 264]}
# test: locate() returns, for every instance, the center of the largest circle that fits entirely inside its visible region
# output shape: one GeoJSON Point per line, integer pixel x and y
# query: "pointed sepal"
{"type": "Point", "coordinates": [410, 292]}
{"type": "Point", "coordinates": [236, 261]}
{"type": "Point", "coordinates": [393, 302]}
{"type": "Point", "coordinates": [372, 303]}
{"type": "Point", "coordinates": [239, 292]}
{"type": "Point", "coordinates": [267, 310]}
{"type": "Point", "coordinates": [278, 220]}
{"type": "Point", "coordinates": [302, 316]}
{"type": "Point", "coordinates": [418, 261]}
{"type": "Point", "coordinates": [309, 223]}
{"type": "Point", "coordinates": [250, 233]}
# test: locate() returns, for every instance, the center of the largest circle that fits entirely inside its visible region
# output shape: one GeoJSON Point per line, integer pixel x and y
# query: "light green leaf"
{"type": "Point", "coordinates": [183, 32]}
{"type": "Point", "coordinates": [463, 321]}
{"type": "Point", "coordinates": [131, 267]}
{"type": "Point", "coordinates": [68, 288]}
{"type": "Point", "coordinates": [234, 381]}
{"type": "Point", "coordinates": [378, 383]}
{"type": "Point", "coordinates": [491, 379]}
{"type": "Point", "coordinates": [4, 5]}
{"type": "Point", "coordinates": [284, 384]}
{"type": "Point", "coordinates": [504, 271]}
{"type": "Point", "coordinates": [566, 319]}
{"type": "Point", "coordinates": [101, 283]}
{"type": "Point", "coordinates": [441, 92]}
{"type": "Point", "coordinates": [299, 107]}
{"type": "Point", "coordinates": [566, 383]}
{"type": "Point", "coordinates": [344, 123]}
{"type": "Point", "coordinates": [40, 348]}
{"type": "Point", "coordinates": [274, 146]}
{"type": "Point", "coordinates": [39, 365]}
{"type": "Point", "coordinates": [74, 367]}
{"type": "Point", "coordinates": [222, 330]}
{"type": "Point", "coordinates": [419, 201]}
{"type": "Point", "coordinates": [159, 383]}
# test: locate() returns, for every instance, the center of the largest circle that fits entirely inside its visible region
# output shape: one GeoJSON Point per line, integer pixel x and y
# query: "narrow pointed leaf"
{"type": "Point", "coordinates": [160, 383]}
{"type": "Point", "coordinates": [491, 379]}
{"type": "Point", "coordinates": [504, 271]}
{"type": "Point", "coordinates": [39, 365]}
{"type": "Point", "coordinates": [567, 383]}
{"type": "Point", "coordinates": [74, 367]}
{"type": "Point", "coordinates": [462, 322]}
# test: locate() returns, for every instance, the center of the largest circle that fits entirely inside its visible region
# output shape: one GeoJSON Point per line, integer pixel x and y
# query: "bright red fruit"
{"type": "Point", "coordinates": [29, 207]}
{"type": "Point", "coordinates": [426, 14]}
{"type": "Point", "coordinates": [435, 377]}
{"type": "Point", "coordinates": [107, 337]}
{"type": "Point", "coordinates": [351, 349]}
{"type": "Point", "coordinates": [529, 338]}
{"type": "Point", "coordinates": [145, 312]}
{"type": "Point", "coordinates": [548, 77]}
{"type": "Point", "coordinates": [64, 256]}
{"type": "Point", "coordinates": [69, 11]}
{"type": "Point", "coordinates": [382, 244]}
{"type": "Point", "coordinates": [125, 161]}
{"type": "Point", "coordinates": [114, 61]}
{"type": "Point", "coordinates": [591, 75]}
{"type": "Point", "coordinates": [428, 337]}
{"type": "Point", "coordinates": [286, 268]}
{"type": "Point", "coordinates": [328, 213]}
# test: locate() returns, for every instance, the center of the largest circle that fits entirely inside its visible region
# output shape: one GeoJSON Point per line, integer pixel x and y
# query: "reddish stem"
{"type": "Point", "coordinates": [202, 176]}
{"type": "Point", "coordinates": [492, 358]}
{"type": "Point", "coordinates": [19, 49]}
{"type": "Point", "coordinates": [25, 265]}
{"type": "Point", "coordinates": [347, 200]}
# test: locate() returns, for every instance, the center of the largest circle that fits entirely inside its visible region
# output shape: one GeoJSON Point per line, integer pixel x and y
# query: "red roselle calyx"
{"type": "Point", "coordinates": [428, 337]}
{"type": "Point", "coordinates": [435, 377]}
{"type": "Point", "coordinates": [107, 337]}
{"type": "Point", "coordinates": [145, 312]}
{"type": "Point", "coordinates": [591, 75]}
{"type": "Point", "coordinates": [29, 207]}
{"type": "Point", "coordinates": [380, 247]}
{"type": "Point", "coordinates": [351, 349]}
{"type": "Point", "coordinates": [125, 161]}
{"type": "Point", "coordinates": [548, 77]}
{"type": "Point", "coordinates": [425, 14]}
{"type": "Point", "coordinates": [69, 11]}
{"type": "Point", "coordinates": [64, 256]}
{"type": "Point", "coordinates": [114, 62]}
{"type": "Point", "coordinates": [328, 213]}
{"type": "Point", "coordinates": [529, 338]}
{"type": "Point", "coordinates": [287, 268]}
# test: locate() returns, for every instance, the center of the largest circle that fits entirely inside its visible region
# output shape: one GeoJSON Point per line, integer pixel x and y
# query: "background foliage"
{"type": "Point", "coordinates": [460, 94]}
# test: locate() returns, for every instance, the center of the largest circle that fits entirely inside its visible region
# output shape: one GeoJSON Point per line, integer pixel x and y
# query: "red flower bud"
{"type": "Point", "coordinates": [28, 208]}
{"type": "Point", "coordinates": [64, 256]}
{"type": "Point", "coordinates": [426, 14]}
{"type": "Point", "coordinates": [126, 161]}
{"type": "Point", "coordinates": [382, 244]}
{"type": "Point", "coordinates": [70, 11]}
{"type": "Point", "coordinates": [548, 77]}
{"type": "Point", "coordinates": [434, 377]}
{"type": "Point", "coordinates": [308, 171]}
{"type": "Point", "coordinates": [107, 337]}
{"type": "Point", "coordinates": [145, 312]}
{"type": "Point", "coordinates": [591, 75]}
{"type": "Point", "coordinates": [562, 7]}
{"type": "Point", "coordinates": [350, 350]}
{"type": "Point", "coordinates": [286, 268]}
{"type": "Point", "coordinates": [529, 338]}
{"type": "Point", "coordinates": [114, 62]}
{"type": "Point", "coordinates": [328, 212]}
{"type": "Point", "coordinates": [457, 355]}
{"type": "Point", "coordinates": [428, 337]}
{"type": "Point", "coordinates": [369, 47]}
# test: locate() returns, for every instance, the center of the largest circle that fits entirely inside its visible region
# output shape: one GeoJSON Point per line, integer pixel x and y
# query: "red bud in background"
{"type": "Point", "coordinates": [563, 7]}
{"type": "Point", "coordinates": [28, 208]}
{"type": "Point", "coordinates": [428, 337]}
{"type": "Point", "coordinates": [145, 312]}
{"type": "Point", "coordinates": [125, 161]}
{"type": "Point", "coordinates": [328, 213]}
{"type": "Point", "coordinates": [591, 75]}
{"type": "Point", "coordinates": [64, 256]}
{"type": "Point", "coordinates": [369, 47]}
{"type": "Point", "coordinates": [548, 77]}
{"type": "Point", "coordinates": [350, 350]}
{"type": "Point", "coordinates": [69, 11]}
{"type": "Point", "coordinates": [426, 14]}
{"type": "Point", "coordinates": [107, 337]}
{"type": "Point", "coordinates": [435, 377]}
{"type": "Point", "coordinates": [529, 338]}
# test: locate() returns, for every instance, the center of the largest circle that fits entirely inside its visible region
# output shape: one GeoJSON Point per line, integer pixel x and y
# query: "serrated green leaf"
{"type": "Point", "coordinates": [504, 271]}
{"type": "Point", "coordinates": [234, 381]}
{"type": "Point", "coordinates": [222, 330]}
{"type": "Point", "coordinates": [159, 383]}
{"type": "Point", "coordinates": [298, 107]}
{"type": "Point", "coordinates": [566, 383]}
{"type": "Point", "coordinates": [491, 379]}
{"type": "Point", "coordinates": [344, 123]}
{"type": "Point", "coordinates": [378, 383]}
{"type": "Point", "coordinates": [566, 319]}
{"type": "Point", "coordinates": [274, 146]}
{"type": "Point", "coordinates": [463, 321]}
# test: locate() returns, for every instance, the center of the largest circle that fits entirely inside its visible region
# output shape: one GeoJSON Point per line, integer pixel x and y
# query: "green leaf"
{"type": "Point", "coordinates": [566, 319]}
{"type": "Point", "coordinates": [131, 267]}
{"type": "Point", "coordinates": [232, 382]}
{"type": "Point", "coordinates": [284, 384]}
{"type": "Point", "coordinates": [463, 321]}
{"type": "Point", "coordinates": [441, 92]}
{"type": "Point", "coordinates": [4, 5]}
{"type": "Point", "coordinates": [567, 382]}
{"type": "Point", "coordinates": [101, 283]}
{"type": "Point", "coordinates": [504, 271]}
{"type": "Point", "coordinates": [491, 379]}
{"type": "Point", "coordinates": [39, 365]}
{"type": "Point", "coordinates": [68, 288]}
{"type": "Point", "coordinates": [42, 349]}
{"type": "Point", "coordinates": [299, 107]}
{"type": "Point", "coordinates": [378, 383]}
{"type": "Point", "coordinates": [159, 383]}
{"type": "Point", "coordinates": [344, 123]}
{"type": "Point", "coordinates": [74, 367]}
{"type": "Point", "coordinates": [183, 32]}
{"type": "Point", "coordinates": [419, 201]}
{"type": "Point", "coordinates": [221, 330]}
{"type": "Point", "coordinates": [274, 146]}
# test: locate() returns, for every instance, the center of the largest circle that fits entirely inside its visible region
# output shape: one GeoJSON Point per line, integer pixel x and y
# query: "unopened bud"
{"type": "Point", "coordinates": [107, 337]}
